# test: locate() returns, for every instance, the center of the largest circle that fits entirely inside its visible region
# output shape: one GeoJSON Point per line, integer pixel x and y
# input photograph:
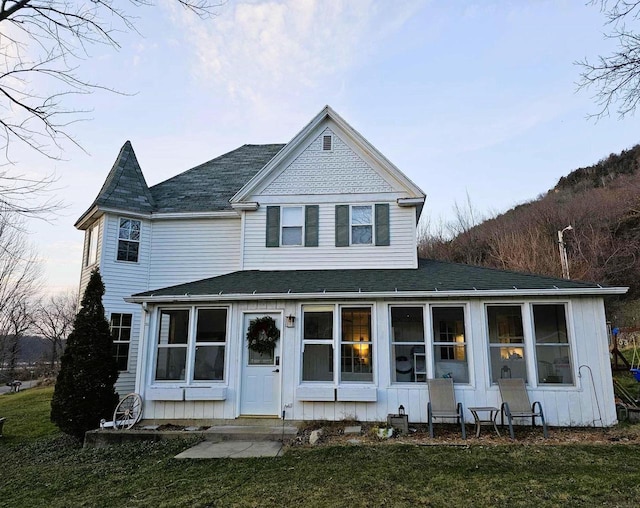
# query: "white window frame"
{"type": "Point", "coordinates": [120, 219]}
{"type": "Point", "coordinates": [371, 225]}
{"type": "Point", "coordinates": [568, 344]}
{"type": "Point", "coordinates": [283, 226]}
{"type": "Point", "coordinates": [423, 373]}
{"type": "Point", "coordinates": [323, 342]}
{"type": "Point", "coordinates": [337, 342]}
{"type": "Point", "coordinates": [524, 345]}
{"type": "Point", "coordinates": [92, 245]}
{"type": "Point", "coordinates": [120, 327]}
{"type": "Point", "coordinates": [190, 346]}
{"type": "Point", "coordinates": [465, 343]}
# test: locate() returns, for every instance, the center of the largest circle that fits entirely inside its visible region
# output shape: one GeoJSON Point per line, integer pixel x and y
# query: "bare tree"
{"type": "Point", "coordinates": [19, 282]}
{"type": "Point", "coordinates": [53, 320]}
{"type": "Point", "coordinates": [616, 77]}
{"type": "Point", "coordinates": [42, 43]}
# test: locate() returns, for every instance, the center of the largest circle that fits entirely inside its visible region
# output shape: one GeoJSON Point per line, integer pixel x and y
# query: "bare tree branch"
{"type": "Point", "coordinates": [616, 77]}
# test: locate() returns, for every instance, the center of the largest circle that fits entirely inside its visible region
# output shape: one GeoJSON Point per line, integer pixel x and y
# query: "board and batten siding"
{"type": "Point", "coordinates": [588, 402]}
{"type": "Point", "coordinates": [187, 250]}
{"type": "Point", "coordinates": [401, 253]}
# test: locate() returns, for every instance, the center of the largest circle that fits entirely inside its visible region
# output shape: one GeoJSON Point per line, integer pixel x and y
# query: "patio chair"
{"type": "Point", "coordinates": [442, 403]}
{"type": "Point", "coordinates": [516, 404]}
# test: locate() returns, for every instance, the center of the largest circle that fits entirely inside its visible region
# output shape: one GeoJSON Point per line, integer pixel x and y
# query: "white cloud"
{"type": "Point", "coordinates": [257, 52]}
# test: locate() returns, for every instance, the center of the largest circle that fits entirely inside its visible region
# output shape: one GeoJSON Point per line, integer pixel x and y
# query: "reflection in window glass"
{"type": "Point", "coordinates": [173, 335]}
{"type": "Point", "coordinates": [361, 225]}
{"type": "Point", "coordinates": [292, 225]}
{"type": "Point", "coordinates": [553, 358]}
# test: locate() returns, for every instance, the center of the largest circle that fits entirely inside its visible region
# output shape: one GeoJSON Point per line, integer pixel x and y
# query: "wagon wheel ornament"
{"type": "Point", "coordinates": [128, 412]}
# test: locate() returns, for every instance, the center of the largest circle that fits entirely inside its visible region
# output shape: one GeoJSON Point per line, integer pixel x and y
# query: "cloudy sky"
{"type": "Point", "coordinates": [465, 97]}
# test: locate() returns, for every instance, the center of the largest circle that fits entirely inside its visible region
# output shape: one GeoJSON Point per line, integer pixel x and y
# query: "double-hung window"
{"type": "Point", "coordinates": [292, 225]}
{"type": "Point", "coordinates": [449, 343]}
{"type": "Point", "coordinates": [121, 334]}
{"type": "Point", "coordinates": [361, 225]}
{"type": "Point", "coordinates": [553, 358]}
{"type": "Point", "coordinates": [408, 345]}
{"type": "Point", "coordinates": [506, 342]}
{"type": "Point", "coordinates": [128, 240]}
{"type": "Point", "coordinates": [191, 352]}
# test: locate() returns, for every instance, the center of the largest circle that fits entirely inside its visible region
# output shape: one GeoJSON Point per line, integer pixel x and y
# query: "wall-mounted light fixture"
{"type": "Point", "coordinates": [290, 321]}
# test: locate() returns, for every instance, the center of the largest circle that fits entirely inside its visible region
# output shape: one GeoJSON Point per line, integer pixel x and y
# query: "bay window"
{"type": "Point", "coordinates": [553, 358]}
{"type": "Point", "coordinates": [189, 352]}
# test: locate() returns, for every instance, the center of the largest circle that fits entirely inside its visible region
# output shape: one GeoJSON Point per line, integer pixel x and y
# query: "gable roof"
{"type": "Point", "coordinates": [327, 113]}
{"type": "Point", "coordinates": [125, 187]}
{"type": "Point", "coordinates": [430, 279]}
{"type": "Point", "coordinates": [210, 186]}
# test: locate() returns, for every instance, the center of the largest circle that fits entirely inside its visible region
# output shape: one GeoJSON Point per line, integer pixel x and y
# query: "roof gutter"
{"type": "Point", "coordinates": [478, 293]}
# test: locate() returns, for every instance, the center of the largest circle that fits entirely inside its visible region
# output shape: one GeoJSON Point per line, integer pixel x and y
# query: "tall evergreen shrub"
{"type": "Point", "coordinates": [84, 391]}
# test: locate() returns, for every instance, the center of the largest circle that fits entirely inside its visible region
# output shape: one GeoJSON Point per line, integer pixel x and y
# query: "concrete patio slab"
{"type": "Point", "coordinates": [231, 450]}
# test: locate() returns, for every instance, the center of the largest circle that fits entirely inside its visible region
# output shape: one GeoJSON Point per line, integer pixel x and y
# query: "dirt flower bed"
{"type": "Point", "coordinates": [333, 434]}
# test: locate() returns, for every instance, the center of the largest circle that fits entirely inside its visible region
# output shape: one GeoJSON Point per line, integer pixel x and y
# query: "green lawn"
{"type": "Point", "coordinates": [39, 467]}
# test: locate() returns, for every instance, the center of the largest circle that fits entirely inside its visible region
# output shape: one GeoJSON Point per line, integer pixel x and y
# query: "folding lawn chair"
{"type": "Point", "coordinates": [516, 404]}
{"type": "Point", "coordinates": [442, 403]}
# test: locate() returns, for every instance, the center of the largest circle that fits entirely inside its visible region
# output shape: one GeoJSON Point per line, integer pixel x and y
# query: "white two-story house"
{"type": "Point", "coordinates": [320, 235]}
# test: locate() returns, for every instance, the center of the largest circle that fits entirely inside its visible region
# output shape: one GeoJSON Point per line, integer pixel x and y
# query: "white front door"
{"type": "Point", "coordinates": [260, 386]}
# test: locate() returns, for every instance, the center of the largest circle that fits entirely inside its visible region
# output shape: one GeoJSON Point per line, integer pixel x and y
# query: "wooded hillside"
{"type": "Point", "coordinates": [601, 202]}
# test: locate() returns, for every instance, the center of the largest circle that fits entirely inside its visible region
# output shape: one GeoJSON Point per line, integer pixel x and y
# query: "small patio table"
{"type": "Point", "coordinates": [490, 419]}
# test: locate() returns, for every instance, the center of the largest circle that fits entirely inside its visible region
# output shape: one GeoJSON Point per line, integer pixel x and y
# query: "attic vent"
{"type": "Point", "coordinates": [327, 143]}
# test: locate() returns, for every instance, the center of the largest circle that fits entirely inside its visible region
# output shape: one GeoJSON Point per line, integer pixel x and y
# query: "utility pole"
{"type": "Point", "coordinates": [564, 261]}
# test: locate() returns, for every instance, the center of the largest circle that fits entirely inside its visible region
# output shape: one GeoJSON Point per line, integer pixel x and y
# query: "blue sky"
{"type": "Point", "coordinates": [465, 97]}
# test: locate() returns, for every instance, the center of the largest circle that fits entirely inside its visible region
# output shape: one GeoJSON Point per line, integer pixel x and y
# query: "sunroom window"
{"type": "Point", "coordinates": [356, 345]}
{"type": "Point", "coordinates": [449, 343]}
{"type": "Point", "coordinates": [317, 356]}
{"type": "Point", "coordinates": [189, 354]}
{"type": "Point", "coordinates": [553, 357]}
{"type": "Point", "coordinates": [506, 342]}
{"type": "Point", "coordinates": [407, 344]}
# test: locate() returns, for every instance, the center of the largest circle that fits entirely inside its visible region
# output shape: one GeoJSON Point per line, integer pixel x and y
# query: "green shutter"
{"type": "Point", "coordinates": [273, 226]}
{"type": "Point", "coordinates": [342, 225]}
{"type": "Point", "coordinates": [382, 224]}
{"type": "Point", "coordinates": [311, 225]}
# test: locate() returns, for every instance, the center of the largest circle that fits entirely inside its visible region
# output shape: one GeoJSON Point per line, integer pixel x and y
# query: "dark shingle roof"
{"type": "Point", "coordinates": [429, 276]}
{"type": "Point", "coordinates": [125, 187]}
{"type": "Point", "coordinates": [210, 186]}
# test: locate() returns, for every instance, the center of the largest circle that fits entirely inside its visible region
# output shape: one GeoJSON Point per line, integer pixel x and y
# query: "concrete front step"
{"type": "Point", "coordinates": [104, 437]}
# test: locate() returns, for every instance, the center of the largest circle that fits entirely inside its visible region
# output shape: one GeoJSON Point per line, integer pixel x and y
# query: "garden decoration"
{"type": "Point", "coordinates": [263, 334]}
{"type": "Point", "coordinates": [635, 361]}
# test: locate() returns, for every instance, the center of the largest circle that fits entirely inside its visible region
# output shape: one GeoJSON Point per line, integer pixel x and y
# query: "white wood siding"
{"type": "Point", "coordinates": [122, 279]}
{"type": "Point", "coordinates": [401, 253]}
{"type": "Point", "coordinates": [85, 272]}
{"type": "Point", "coordinates": [187, 250]}
{"type": "Point", "coordinates": [585, 403]}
